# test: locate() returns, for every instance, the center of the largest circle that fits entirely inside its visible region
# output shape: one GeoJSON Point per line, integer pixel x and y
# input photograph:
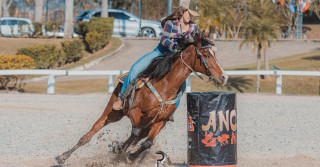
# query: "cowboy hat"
{"type": "Point", "coordinates": [191, 6]}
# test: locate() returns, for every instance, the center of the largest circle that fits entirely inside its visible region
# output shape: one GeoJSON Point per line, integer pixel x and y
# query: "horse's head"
{"type": "Point", "coordinates": [206, 61]}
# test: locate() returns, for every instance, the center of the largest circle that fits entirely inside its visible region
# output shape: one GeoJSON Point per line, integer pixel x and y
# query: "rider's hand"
{"type": "Point", "coordinates": [190, 39]}
{"type": "Point", "coordinates": [214, 49]}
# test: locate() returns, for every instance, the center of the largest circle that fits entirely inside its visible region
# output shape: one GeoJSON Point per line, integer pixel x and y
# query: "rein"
{"type": "Point", "coordinates": [196, 55]}
{"type": "Point", "coordinates": [163, 103]}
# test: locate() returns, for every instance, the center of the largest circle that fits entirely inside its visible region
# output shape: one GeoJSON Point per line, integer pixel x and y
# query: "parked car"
{"type": "Point", "coordinates": [10, 26]}
{"type": "Point", "coordinates": [58, 34]}
{"type": "Point", "coordinates": [125, 24]}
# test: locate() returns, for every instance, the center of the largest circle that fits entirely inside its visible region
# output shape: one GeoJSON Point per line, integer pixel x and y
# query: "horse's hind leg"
{"type": "Point", "coordinates": [154, 131]}
{"type": "Point", "coordinates": [107, 117]}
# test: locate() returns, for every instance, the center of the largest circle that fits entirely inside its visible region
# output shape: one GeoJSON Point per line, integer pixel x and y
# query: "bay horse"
{"type": "Point", "coordinates": [166, 74]}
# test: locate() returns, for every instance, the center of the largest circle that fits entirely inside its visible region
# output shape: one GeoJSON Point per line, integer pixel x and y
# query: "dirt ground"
{"type": "Point", "coordinates": [273, 130]}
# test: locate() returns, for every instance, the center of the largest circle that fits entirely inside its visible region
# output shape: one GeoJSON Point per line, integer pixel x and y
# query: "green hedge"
{"type": "Point", "coordinates": [73, 50]}
{"type": "Point", "coordinates": [83, 28]}
{"type": "Point", "coordinates": [97, 32]}
{"type": "Point", "coordinates": [45, 56]}
{"type": "Point", "coordinates": [107, 20]}
{"type": "Point", "coordinates": [13, 62]}
{"type": "Point", "coordinates": [37, 28]}
{"type": "Point", "coordinates": [95, 40]}
{"type": "Point", "coordinates": [53, 26]}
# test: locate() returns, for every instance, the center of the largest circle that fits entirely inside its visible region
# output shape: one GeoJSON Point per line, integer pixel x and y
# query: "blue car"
{"type": "Point", "coordinates": [125, 24]}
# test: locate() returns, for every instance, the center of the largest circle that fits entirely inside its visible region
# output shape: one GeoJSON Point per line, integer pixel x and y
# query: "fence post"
{"type": "Point", "coordinates": [188, 83]}
{"type": "Point", "coordinates": [111, 84]}
{"type": "Point", "coordinates": [51, 82]}
{"type": "Point", "coordinates": [279, 85]}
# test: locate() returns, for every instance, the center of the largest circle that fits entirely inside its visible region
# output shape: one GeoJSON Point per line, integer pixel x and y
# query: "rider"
{"type": "Point", "coordinates": [176, 25]}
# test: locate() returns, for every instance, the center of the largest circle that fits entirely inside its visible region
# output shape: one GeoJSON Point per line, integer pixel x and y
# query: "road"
{"type": "Point", "coordinates": [273, 130]}
{"type": "Point", "coordinates": [228, 54]}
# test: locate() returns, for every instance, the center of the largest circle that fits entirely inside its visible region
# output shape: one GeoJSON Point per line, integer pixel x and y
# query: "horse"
{"type": "Point", "coordinates": [148, 115]}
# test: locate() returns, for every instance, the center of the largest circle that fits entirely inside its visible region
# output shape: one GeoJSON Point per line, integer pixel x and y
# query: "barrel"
{"type": "Point", "coordinates": [212, 129]}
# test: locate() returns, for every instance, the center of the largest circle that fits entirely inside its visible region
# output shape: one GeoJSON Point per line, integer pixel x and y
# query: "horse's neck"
{"type": "Point", "coordinates": [177, 75]}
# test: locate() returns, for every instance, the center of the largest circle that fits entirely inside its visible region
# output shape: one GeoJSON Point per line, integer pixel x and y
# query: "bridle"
{"type": "Point", "coordinates": [203, 61]}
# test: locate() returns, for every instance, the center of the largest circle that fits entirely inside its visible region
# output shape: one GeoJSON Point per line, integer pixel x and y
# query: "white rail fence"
{"type": "Point", "coordinates": [111, 75]}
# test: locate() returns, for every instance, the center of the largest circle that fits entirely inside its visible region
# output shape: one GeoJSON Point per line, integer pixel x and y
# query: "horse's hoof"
{"type": "Point", "coordinates": [116, 148]}
{"type": "Point", "coordinates": [60, 159]}
{"type": "Point", "coordinates": [131, 156]}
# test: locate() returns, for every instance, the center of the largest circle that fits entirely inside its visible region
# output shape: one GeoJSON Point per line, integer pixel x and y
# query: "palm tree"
{"type": "Point", "coordinates": [315, 7]}
{"type": "Point", "coordinates": [212, 16]}
{"type": "Point", "coordinates": [1, 1]}
{"type": "Point", "coordinates": [5, 6]}
{"type": "Point", "coordinates": [68, 21]}
{"type": "Point", "coordinates": [221, 16]}
{"type": "Point", "coordinates": [261, 27]}
{"type": "Point", "coordinates": [80, 4]}
{"type": "Point", "coordinates": [38, 10]}
{"type": "Point", "coordinates": [104, 8]}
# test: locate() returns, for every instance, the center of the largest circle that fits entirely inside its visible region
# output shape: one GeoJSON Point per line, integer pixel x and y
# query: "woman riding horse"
{"type": "Point", "coordinates": [176, 26]}
{"type": "Point", "coordinates": [148, 114]}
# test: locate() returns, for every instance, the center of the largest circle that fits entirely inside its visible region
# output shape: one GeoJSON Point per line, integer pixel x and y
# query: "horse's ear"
{"type": "Point", "coordinates": [203, 35]}
{"type": "Point", "coordinates": [197, 40]}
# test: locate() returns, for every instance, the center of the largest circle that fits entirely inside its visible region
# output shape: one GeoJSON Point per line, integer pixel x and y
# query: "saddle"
{"type": "Point", "coordinates": [122, 78]}
{"type": "Point", "coordinates": [140, 84]}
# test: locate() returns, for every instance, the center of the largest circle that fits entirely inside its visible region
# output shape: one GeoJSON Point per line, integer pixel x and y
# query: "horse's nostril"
{"type": "Point", "coordinates": [223, 78]}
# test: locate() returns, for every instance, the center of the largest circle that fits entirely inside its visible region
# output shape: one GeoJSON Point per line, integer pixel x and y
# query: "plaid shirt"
{"type": "Point", "coordinates": [172, 30]}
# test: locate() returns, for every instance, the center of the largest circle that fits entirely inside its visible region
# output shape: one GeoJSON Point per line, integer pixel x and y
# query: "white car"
{"type": "Point", "coordinates": [58, 34]}
{"type": "Point", "coordinates": [125, 24]}
{"type": "Point", "coordinates": [10, 26]}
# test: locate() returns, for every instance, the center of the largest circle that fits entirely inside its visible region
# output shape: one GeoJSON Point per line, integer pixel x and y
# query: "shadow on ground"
{"type": "Point", "coordinates": [238, 83]}
{"type": "Point", "coordinates": [317, 57]}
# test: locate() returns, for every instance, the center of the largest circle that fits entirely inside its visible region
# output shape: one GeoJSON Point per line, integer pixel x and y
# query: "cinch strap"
{"type": "Point", "coordinates": [159, 97]}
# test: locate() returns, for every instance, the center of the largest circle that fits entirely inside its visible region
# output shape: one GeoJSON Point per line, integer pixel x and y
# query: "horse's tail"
{"type": "Point", "coordinates": [159, 67]}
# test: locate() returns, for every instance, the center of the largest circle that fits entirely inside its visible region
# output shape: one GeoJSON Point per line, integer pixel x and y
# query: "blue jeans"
{"type": "Point", "coordinates": [143, 63]}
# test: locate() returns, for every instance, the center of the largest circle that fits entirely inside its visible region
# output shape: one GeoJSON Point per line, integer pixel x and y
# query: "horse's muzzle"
{"type": "Point", "coordinates": [222, 81]}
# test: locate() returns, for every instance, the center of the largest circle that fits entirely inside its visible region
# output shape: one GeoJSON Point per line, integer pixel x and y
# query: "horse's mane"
{"type": "Point", "coordinates": [159, 67]}
{"type": "Point", "coordinates": [162, 65]}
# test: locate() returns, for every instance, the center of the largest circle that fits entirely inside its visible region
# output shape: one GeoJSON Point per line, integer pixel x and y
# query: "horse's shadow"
{"type": "Point", "coordinates": [65, 165]}
{"type": "Point", "coordinates": [238, 83]}
{"type": "Point", "coordinates": [317, 57]}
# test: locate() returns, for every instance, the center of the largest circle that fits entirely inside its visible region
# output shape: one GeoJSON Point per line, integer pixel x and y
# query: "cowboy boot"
{"type": "Point", "coordinates": [118, 104]}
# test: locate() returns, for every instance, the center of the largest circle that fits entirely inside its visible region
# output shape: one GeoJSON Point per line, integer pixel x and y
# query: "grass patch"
{"type": "Point", "coordinates": [300, 85]}
{"type": "Point", "coordinates": [113, 45]}
{"type": "Point", "coordinates": [79, 86]}
{"type": "Point", "coordinates": [9, 46]}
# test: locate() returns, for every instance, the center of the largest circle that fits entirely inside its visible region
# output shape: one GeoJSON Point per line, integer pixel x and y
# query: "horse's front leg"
{"type": "Point", "coordinates": [154, 131]}
{"type": "Point", "coordinates": [135, 117]}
